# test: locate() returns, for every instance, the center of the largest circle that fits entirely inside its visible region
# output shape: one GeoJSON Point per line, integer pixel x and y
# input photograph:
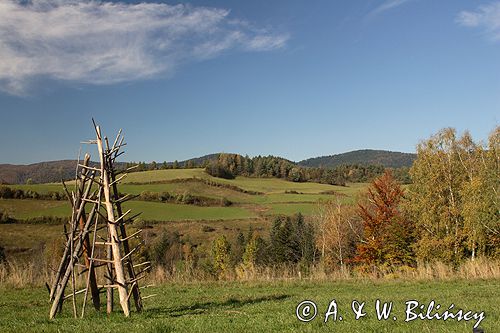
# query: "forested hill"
{"type": "Point", "coordinates": [43, 172]}
{"type": "Point", "coordinates": [55, 171]}
{"type": "Point", "coordinates": [390, 159]}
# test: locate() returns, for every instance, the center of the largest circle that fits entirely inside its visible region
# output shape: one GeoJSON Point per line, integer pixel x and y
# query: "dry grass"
{"type": "Point", "coordinates": [481, 268]}
{"type": "Point", "coordinates": [20, 274]}
{"type": "Point", "coordinates": [24, 274]}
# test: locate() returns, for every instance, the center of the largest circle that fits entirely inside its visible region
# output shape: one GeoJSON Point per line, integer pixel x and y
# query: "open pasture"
{"type": "Point", "coordinates": [263, 307]}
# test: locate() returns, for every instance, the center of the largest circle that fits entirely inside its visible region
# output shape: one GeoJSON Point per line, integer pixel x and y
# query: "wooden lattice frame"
{"type": "Point", "coordinates": [104, 227]}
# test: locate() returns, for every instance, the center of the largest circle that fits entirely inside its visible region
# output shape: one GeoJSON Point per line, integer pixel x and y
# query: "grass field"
{"type": "Point", "coordinates": [290, 209]}
{"type": "Point", "coordinates": [164, 175]}
{"type": "Point", "coordinates": [23, 209]}
{"type": "Point", "coordinates": [263, 307]}
{"type": "Point", "coordinates": [275, 185]}
{"type": "Point", "coordinates": [157, 211]}
{"type": "Point", "coordinates": [173, 212]}
{"type": "Point", "coordinates": [274, 199]}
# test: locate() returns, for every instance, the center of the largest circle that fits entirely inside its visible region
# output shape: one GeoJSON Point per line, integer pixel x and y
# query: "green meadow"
{"type": "Point", "coordinates": [275, 196]}
{"type": "Point", "coordinates": [263, 307]}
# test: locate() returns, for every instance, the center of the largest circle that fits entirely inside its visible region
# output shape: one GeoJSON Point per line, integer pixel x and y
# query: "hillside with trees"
{"type": "Point", "coordinates": [363, 168]}
{"type": "Point", "coordinates": [231, 165]}
{"type": "Point", "coordinates": [389, 159]}
{"type": "Point", "coordinates": [43, 172]}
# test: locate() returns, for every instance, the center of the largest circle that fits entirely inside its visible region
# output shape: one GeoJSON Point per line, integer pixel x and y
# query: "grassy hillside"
{"type": "Point", "coordinates": [163, 175]}
{"type": "Point", "coordinates": [293, 197]}
{"type": "Point", "coordinates": [201, 224]}
{"type": "Point", "coordinates": [24, 209]}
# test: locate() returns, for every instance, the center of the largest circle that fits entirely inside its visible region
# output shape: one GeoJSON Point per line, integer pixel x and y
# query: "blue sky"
{"type": "Point", "coordinates": [291, 78]}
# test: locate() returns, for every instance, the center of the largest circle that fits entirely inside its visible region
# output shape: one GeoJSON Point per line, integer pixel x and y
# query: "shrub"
{"type": "Point", "coordinates": [207, 228]}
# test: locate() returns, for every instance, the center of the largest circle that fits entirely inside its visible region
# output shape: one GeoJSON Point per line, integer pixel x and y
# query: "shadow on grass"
{"type": "Point", "coordinates": [200, 308]}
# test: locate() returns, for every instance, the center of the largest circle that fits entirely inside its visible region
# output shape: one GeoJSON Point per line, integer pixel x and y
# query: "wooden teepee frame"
{"type": "Point", "coordinates": [97, 187]}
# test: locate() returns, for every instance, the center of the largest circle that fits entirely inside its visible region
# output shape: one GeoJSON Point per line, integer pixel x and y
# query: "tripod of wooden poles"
{"type": "Point", "coordinates": [97, 244]}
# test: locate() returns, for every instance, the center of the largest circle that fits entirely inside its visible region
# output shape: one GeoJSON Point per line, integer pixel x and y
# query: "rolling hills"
{"type": "Point", "coordinates": [55, 171]}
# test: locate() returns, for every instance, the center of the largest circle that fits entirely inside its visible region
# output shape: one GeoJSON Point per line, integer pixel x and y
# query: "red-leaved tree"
{"type": "Point", "coordinates": [387, 234]}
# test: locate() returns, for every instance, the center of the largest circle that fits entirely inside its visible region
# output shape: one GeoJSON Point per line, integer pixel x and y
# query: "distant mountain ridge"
{"type": "Point", "coordinates": [388, 159]}
{"type": "Point", "coordinates": [43, 172]}
{"type": "Point", "coordinates": [55, 171]}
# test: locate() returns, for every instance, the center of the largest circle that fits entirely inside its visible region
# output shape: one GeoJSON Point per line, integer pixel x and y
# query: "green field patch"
{"type": "Point", "coordinates": [158, 211]}
{"type": "Point", "coordinates": [188, 187]}
{"type": "Point", "coordinates": [41, 188]}
{"type": "Point", "coordinates": [267, 185]}
{"type": "Point", "coordinates": [28, 208]}
{"type": "Point", "coordinates": [290, 198]}
{"type": "Point", "coordinates": [306, 209]}
{"type": "Point", "coordinates": [274, 185]}
{"type": "Point", "coordinates": [163, 175]}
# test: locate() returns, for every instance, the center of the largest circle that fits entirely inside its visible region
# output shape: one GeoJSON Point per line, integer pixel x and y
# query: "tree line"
{"type": "Point", "coordinates": [7, 192]}
{"type": "Point", "coordinates": [231, 165]}
{"type": "Point", "coordinates": [450, 212]}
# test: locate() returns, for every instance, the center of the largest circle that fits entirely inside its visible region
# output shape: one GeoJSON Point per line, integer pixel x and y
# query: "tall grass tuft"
{"type": "Point", "coordinates": [37, 272]}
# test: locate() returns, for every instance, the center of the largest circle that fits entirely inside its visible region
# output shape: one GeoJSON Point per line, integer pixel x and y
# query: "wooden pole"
{"type": "Point", "coordinates": [86, 246]}
{"type": "Point", "coordinates": [126, 248]}
{"type": "Point", "coordinates": [109, 289]}
{"type": "Point", "coordinates": [73, 254]}
{"type": "Point", "coordinates": [113, 233]}
{"type": "Point", "coordinates": [68, 272]}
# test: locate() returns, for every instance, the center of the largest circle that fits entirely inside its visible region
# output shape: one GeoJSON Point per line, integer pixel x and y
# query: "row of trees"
{"type": "Point", "coordinates": [17, 193]}
{"type": "Point", "coordinates": [229, 166]}
{"type": "Point", "coordinates": [454, 197]}
{"type": "Point", "coordinates": [143, 166]}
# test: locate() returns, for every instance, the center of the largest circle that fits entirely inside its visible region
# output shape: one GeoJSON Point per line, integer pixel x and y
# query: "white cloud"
{"type": "Point", "coordinates": [387, 5]}
{"type": "Point", "coordinates": [486, 17]}
{"type": "Point", "coordinates": [103, 42]}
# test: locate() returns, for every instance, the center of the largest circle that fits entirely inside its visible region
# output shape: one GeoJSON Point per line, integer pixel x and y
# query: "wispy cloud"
{"type": "Point", "coordinates": [103, 42]}
{"type": "Point", "coordinates": [486, 17]}
{"type": "Point", "coordinates": [387, 5]}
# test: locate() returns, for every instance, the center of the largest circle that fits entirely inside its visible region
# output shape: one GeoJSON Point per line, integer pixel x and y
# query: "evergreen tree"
{"type": "Point", "coordinates": [2, 255]}
{"type": "Point", "coordinates": [239, 248]}
{"type": "Point", "coordinates": [291, 240]}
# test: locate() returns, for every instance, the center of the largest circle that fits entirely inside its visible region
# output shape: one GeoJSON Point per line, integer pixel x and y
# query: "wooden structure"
{"type": "Point", "coordinates": [97, 244]}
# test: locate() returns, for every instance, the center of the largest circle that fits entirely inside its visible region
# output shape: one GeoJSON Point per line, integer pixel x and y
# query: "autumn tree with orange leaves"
{"type": "Point", "coordinates": [387, 234]}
